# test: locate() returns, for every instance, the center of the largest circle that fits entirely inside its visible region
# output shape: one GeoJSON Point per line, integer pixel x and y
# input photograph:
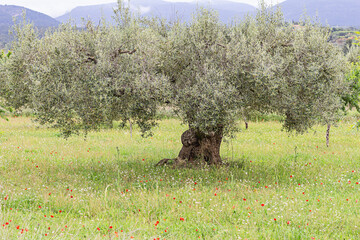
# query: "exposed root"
{"type": "Point", "coordinates": [183, 163]}
{"type": "Point", "coordinates": [165, 162]}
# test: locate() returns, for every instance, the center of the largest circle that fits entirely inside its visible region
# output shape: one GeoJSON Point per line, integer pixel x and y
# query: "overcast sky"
{"type": "Point", "coordinates": [59, 7]}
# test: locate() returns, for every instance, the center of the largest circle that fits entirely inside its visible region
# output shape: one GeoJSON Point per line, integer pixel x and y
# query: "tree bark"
{"type": "Point", "coordinates": [198, 149]}
{"type": "Point", "coordinates": [328, 135]}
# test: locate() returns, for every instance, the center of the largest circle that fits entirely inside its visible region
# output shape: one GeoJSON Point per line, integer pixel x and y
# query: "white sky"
{"type": "Point", "coordinates": [59, 7]}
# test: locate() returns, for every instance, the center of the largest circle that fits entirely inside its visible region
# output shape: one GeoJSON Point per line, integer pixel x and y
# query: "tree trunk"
{"type": "Point", "coordinates": [130, 128]}
{"type": "Point", "coordinates": [328, 135]}
{"type": "Point", "coordinates": [198, 149]}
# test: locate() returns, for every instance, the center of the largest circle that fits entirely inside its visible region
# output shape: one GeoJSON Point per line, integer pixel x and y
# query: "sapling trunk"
{"type": "Point", "coordinates": [130, 123]}
{"type": "Point", "coordinates": [328, 135]}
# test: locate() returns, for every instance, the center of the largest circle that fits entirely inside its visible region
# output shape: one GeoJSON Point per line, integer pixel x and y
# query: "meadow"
{"type": "Point", "coordinates": [272, 186]}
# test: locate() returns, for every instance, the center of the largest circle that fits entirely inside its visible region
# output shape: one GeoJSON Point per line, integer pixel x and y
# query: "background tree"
{"type": "Point", "coordinates": [352, 99]}
{"type": "Point", "coordinates": [3, 108]}
{"type": "Point", "coordinates": [206, 71]}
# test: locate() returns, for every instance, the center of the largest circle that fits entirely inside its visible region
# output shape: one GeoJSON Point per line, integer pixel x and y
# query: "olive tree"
{"type": "Point", "coordinates": [77, 80]}
{"type": "Point", "coordinates": [209, 73]}
{"type": "Point", "coordinates": [261, 64]}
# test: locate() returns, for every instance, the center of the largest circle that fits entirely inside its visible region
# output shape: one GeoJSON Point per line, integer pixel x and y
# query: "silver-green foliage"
{"type": "Point", "coordinates": [79, 79]}
{"type": "Point", "coordinates": [209, 73]}
{"type": "Point", "coordinates": [261, 63]}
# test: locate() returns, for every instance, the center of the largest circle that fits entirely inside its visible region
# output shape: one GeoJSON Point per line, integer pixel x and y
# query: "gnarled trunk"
{"type": "Point", "coordinates": [198, 148]}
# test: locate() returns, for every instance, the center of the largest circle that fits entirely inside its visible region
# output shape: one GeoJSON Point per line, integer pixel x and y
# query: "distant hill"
{"type": "Point", "coordinates": [332, 12]}
{"type": "Point", "coordinates": [343, 13]}
{"type": "Point", "coordinates": [227, 10]}
{"type": "Point", "coordinates": [8, 12]}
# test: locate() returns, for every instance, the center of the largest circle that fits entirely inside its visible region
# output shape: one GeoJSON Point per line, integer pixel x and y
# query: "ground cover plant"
{"type": "Point", "coordinates": [272, 185]}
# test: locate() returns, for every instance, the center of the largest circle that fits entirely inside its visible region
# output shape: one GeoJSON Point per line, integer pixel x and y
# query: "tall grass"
{"type": "Point", "coordinates": [273, 185]}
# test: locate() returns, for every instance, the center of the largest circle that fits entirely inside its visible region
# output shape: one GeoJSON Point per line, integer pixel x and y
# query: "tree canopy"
{"type": "Point", "coordinates": [207, 72]}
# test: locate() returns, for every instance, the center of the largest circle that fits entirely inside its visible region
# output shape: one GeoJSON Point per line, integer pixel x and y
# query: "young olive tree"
{"type": "Point", "coordinates": [210, 74]}
{"type": "Point", "coordinates": [309, 77]}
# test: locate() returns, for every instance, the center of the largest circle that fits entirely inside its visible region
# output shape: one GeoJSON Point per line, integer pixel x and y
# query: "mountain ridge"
{"type": "Point", "coordinates": [9, 12]}
{"type": "Point", "coordinates": [335, 13]}
{"type": "Point", "coordinates": [169, 10]}
{"type": "Point", "coordinates": [329, 12]}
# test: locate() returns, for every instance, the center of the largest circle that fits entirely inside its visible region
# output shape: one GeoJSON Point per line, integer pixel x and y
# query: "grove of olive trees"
{"type": "Point", "coordinates": [209, 73]}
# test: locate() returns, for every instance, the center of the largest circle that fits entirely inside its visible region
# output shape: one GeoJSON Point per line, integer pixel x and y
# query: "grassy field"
{"type": "Point", "coordinates": [273, 186]}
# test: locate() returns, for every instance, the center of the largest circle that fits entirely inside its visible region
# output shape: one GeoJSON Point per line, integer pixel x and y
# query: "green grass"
{"type": "Point", "coordinates": [109, 179]}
